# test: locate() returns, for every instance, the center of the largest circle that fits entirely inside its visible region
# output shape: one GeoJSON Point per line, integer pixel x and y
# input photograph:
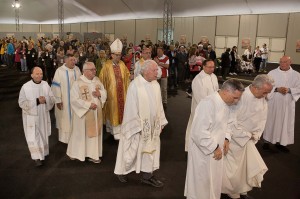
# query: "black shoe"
{"type": "Point", "coordinates": [266, 146]}
{"type": "Point", "coordinates": [246, 197]}
{"type": "Point", "coordinates": [153, 182]}
{"type": "Point", "coordinates": [123, 178]}
{"type": "Point", "coordinates": [282, 148]}
{"type": "Point", "coordinates": [38, 163]}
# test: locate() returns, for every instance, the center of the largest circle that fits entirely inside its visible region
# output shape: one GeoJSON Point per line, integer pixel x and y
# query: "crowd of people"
{"type": "Point", "coordinates": [125, 88]}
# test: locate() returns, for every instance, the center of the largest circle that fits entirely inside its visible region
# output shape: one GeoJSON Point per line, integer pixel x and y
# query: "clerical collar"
{"type": "Point", "coordinates": [284, 70]}
{"type": "Point", "coordinates": [36, 82]}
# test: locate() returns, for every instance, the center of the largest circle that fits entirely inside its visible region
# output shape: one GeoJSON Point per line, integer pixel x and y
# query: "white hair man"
{"type": "Point", "coordinates": [144, 119]}
{"type": "Point", "coordinates": [87, 99]}
{"type": "Point", "coordinates": [243, 166]}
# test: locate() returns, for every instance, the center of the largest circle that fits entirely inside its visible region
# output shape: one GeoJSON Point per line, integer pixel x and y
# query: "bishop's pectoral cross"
{"type": "Point", "coordinates": [85, 93]}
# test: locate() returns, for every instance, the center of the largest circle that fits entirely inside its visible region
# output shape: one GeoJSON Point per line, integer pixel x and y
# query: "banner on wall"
{"type": "Point", "coordinates": [10, 35]}
{"type": "Point", "coordinates": [182, 39]}
{"type": "Point", "coordinates": [245, 43]}
{"type": "Point", "coordinates": [298, 46]}
{"type": "Point", "coordinates": [204, 40]}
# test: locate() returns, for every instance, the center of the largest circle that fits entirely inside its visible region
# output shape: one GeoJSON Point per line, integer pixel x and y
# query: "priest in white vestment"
{"type": "Point", "coordinates": [204, 84]}
{"type": "Point", "coordinates": [243, 166]}
{"type": "Point", "coordinates": [144, 119]}
{"type": "Point", "coordinates": [280, 124]}
{"type": "Point", "coordinates": [36, 100]}
{"type": "Point", "coordinates": [207, 142]}
{"type": "Point", "coordinates": [87, 100]}
{"type": "Point", "coordinates": [146, 55]}
{"type": "Point", "coordinates": [61, 87]}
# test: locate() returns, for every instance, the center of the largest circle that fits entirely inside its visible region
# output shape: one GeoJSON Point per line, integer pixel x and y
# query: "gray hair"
{"type": "Point", "coordinates": [262, 79]}
{"type": "Point", "coordinates": [86, 64]}
{"type": "Point", "coordinates": [233, 85]}
{"type": "Point", "coordinates": [146, 65]}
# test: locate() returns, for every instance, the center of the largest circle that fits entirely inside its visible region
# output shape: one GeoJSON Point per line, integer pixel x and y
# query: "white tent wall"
{"type": "Point", "coordinates": [267, 26]}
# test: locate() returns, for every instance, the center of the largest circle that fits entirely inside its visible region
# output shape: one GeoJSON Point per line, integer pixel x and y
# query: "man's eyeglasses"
{"type": "Point", "coordinates": [91, 69]}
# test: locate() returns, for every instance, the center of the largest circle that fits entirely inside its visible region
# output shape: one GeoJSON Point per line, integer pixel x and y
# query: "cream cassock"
{"type": "Point", "coordinates": [202, 86]}
{"type": "Point", "coordinates": [36, 118]}
{"type": "Point", "coordinates": [209, 128]}
{"type": "Point", "coordinates": [243, 166]}
{"type": "Point", "coordinates": [281, 108]}
{"type": "Point", "coordinates": [144, 118]}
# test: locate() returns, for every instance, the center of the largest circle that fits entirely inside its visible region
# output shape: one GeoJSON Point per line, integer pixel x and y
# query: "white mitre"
{"type": "Point", "coordinates": [116, 47]}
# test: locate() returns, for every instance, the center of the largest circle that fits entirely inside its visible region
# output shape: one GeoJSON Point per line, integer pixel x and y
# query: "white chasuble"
{"type": "Point", "coordinates": [86, 136]}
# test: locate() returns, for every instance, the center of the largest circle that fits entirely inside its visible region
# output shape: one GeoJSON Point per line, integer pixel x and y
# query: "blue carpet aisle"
{"type": "Point", "coordinates": [63, 178]}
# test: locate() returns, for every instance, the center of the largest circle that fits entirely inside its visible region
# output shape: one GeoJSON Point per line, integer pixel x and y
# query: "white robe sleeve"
{"type": "Point", "coordinates": [29, 107]}
{"type": "Point", "coordinates": [295, 91]}
{"type": "Point", "coordinates": [131, 121]}
{"type": "Point", "coordinates": [103, 95]}
{"type": "Point", "coordinates": [56, 86]}
{"type": "Point", "coordinates": [201, 127]}
{"type": "Point", "coordinates": [79, 106]}
{"type": "Point", "coordinates": [50, 99]}
{"type": "Point", "coordinates": [198, 91]}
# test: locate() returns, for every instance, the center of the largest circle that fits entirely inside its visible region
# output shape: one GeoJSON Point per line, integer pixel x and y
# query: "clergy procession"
{"type": "Point", "coordinates": [93, 99]}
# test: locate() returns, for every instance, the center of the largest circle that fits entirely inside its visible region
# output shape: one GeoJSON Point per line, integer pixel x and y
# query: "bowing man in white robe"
{"type": "Point", "coordinates": [61, 87]}
{"type": "Point", "coordinates": [243, 166]}
{"type": "Point", "coordinates": [87, 100]}
{"type": "Point", "coordinates": [204, 84]}
{"type": "Point", "coordinates": [36, 100]}
{"type": "Point", "coordinates": [207, 142]}
{"type": "Point", "coordinates": [144, 119]}
{"type": "Point", "coordinates": [280, 124]}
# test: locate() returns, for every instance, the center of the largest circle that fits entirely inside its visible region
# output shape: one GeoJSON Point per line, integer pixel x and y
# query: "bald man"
{"type": "Point", "coordinates": [280, 123]}
{"type": "Point", "coordinates": [36, 100]}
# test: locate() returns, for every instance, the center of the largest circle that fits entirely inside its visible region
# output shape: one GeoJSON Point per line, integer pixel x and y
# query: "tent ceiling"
{"type": "Point", "coordinates": [46, 11]}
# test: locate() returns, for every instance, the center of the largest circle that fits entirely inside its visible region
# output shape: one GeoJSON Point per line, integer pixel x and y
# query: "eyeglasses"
{"type": "Point", "coordinates": [91, 69]}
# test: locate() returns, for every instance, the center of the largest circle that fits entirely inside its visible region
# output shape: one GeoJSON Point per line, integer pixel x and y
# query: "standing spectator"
{"type": "Point", "coordinates": [49, 57]}
{"type": "Point", "coordinates": [10, 53]}
{"type": "Point", "coordinates": [233, 64]}
{"type": "Point", "coordinates": [36, 100]}
{"type": "Point", "coordinates": [181, 67]}
{"type": "Point", "coordinates": [257, 59]}
{"type": "Point", "coordinates": [163, 62]}
{"type": "Point", "coordinates": [264, 58]}
{"type": "Point", "coordinates": [18, 57]}
{"type": "Point", "coordinates": [100, 62]}
{"type": "Point", "coordinates": [60, 54]}
{"type": "Point", "coordinates": [225, 63]}
{"type": "Point", "coordinates": [281, 106]}
{"type": "Point", "coordinates": [91, 55]}
{"type": "Point", "coordinates": [23, 57]}
{"type": "Point", "coordinates": [31, 56]}
{"type": "Point", "coordinates": [172, 70]}
{"type": "Point", "coordinates": [207, 143]}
